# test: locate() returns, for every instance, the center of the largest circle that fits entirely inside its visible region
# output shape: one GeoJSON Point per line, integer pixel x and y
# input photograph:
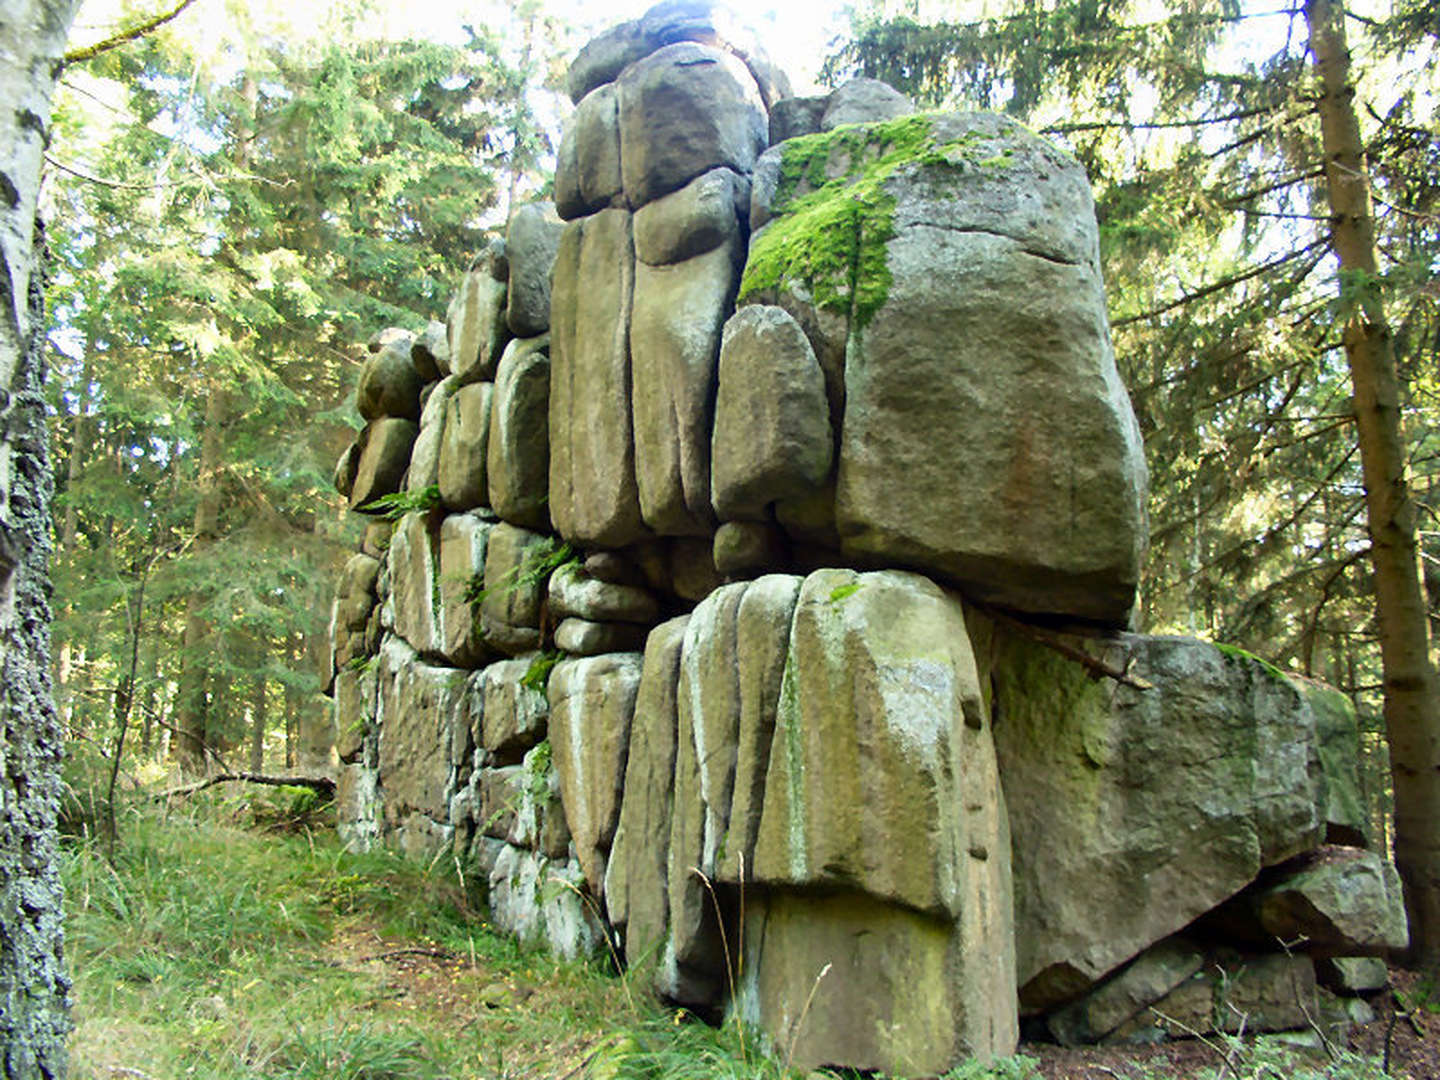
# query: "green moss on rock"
{"type": "Point", "coordinates": [833, 216]}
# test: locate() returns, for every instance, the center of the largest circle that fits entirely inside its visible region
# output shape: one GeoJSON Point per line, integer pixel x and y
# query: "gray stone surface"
{"type": "Point", "coordinates": [540, 902]}
{"type": "Point", "coordinates": [993, 332]}
{"type": "Point", "coordinates": [674, 344]}
{"type": "Point", "coordinates": [1353, 974]}
{"type": "Point", "coordinates": [606, 55]}
{"type": "Point", "coordinates": [464, 447]}
{"type": "Point", "coordinates": [1145, 980]}
{"type": "Point", "coordinates": [773, 438]}
{"type": "Point", "coordinates": [475, 324]}
{"type": "Point", "coordinates": [592, 701]}
{"type": "Point", "coordinates": [587, 167]}
{"type": "Point", "coordinates": [594, 501]}
{"type": "Point", "coordinates": [796, 116]}
{"type": "Point", "coordinates": [700, 217]}
{"type": "Point", "coordinates": [531, 240]}
{"type": "Point", "coordinates": [389, 383]}
{"type": "Point", "coordinates": [581, 637]}
{"type": "Point", "coordinates": [430, 352]}
{"type": "Point", "coordinates": [517, 716]}
{"type": "Point", "coordinates": [686, 109]}
{"type": "Point", "coordinates": [747, 548]}
{"type": "Point", "coordinates": [1132, 812]}
{"type": "Point", "coordinates": [863, 101]}
{"type": "Point", "coordinates": [424, 468]}
{"type": "Point", "coordinates": [510, 611]}
{"type": "Point", "coordinates": [517, 461]}
{"type": "Point", "coordinates": [575, 592]}
{"type": "Point", "coordinates": [1340, 901]}
{"type": "Point", "coordinates": [636, 875]}
{"type": "Point", "coordinates": [414, 573]}
{"type": "Point", "coordinates": [883, 794]}
{"type": "Point", "coordinates": [383, 450]}
{"type": "Point", "coordinates": [460, 563]}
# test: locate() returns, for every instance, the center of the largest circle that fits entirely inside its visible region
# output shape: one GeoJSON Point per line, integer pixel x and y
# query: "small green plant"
{"type": "Point", "coordinates": [537, 771]}
{"type": "Point", "coordinates": [538, 564]}
{"type": "Point", "coordinates": [537, 675]}
{"type": "Point", "coordinates": [844, 592]}
{"type": "Point", "coordinates": [397, 504]}
{"type": "Point", "coordinates": [1018, 1067]}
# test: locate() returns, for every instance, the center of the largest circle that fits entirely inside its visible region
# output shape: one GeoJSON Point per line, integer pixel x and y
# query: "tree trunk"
{"type": "Point", "coordinates": [192, 708]}
{"type": "Point", "coordinates": [257, 725]}
{"type": "Point", "coordinates": [33, 985]}
{"type": "Point", "coordinates": [1411, 717]}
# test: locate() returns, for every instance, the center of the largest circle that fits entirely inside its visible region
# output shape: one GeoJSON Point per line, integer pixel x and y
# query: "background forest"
{"type": "Point", "coordinates": [241, 197]}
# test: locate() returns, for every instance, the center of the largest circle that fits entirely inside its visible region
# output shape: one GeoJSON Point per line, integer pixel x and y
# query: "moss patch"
{"type": "Point", "coordinates": [833, 216]}
{"type": "Point", "coordinates": [1234, 652]}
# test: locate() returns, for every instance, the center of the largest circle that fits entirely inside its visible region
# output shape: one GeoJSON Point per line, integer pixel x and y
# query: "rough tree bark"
{"type": "Point", "coordinates": [1412, 705]}
{"type": "Point", "coordinates": [33, 986]}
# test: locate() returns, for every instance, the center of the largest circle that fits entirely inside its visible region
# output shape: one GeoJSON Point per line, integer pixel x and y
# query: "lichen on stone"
{"type": "Point", "coordinates": [833, 214]}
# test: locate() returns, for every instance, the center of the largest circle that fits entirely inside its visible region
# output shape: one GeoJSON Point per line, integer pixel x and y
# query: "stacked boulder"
{"type": "Point", "coordinates": [744, 549]}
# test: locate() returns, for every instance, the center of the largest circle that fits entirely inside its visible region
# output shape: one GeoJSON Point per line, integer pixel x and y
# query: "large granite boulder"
{"type": "Point", "coordinates": [531, 240]}
{"type": "Point", "coordinates": [611, 51]}
{"type": "Point", "coordinates": [593, 497]}
{"type": "Point", "coordinates": [587, 166]}
{"type": "Point", "coordinates": [679, 312]}
{"type": "Point", "coordinates": [1336, 901]}
{"type": "Point", "coordinates": [413, 561]}
{"type": "Point", "coordinates": [461, 470]}
{"type": "Point", "coordinates": [883, 796]}
{"type": "Point", "coordinates": [517, 460]}
{"type": "Point", "coordinates": [636, 875]}
{"type": "Point", "coordinates": [460, 564]}
{"type": "Point", "coordinates": [1135, 811]}
{"type": "Point", "coordinates": [686, 109]}
{"type": "Point", "coordinates": [962, 252]}
{"type": "Point", "coordinates": [591, 703]}
{"type": "Point", "coordinates": [772, 438]}
{"type": "Point", "coordinates": [382, 456]}
{"type": "Point", "coordinates": [389, 383]}
{"type": "Point", "coordinates": [475, 322]}
{"type": "Point", "coordinates": [424, 471]}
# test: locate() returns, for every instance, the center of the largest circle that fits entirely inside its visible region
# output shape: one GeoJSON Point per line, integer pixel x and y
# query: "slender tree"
{"type": "Point", "coordinates": [33, 986]}
{"type": "Point", "coordinates": [1412, 707]}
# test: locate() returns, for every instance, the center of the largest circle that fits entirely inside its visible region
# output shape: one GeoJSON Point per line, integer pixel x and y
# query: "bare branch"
{"type": "Point", "coordinates": [124, 37]}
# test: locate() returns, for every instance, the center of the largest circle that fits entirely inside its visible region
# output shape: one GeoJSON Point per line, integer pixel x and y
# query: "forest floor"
{"type": "Point", "coordinates": [236, 940]}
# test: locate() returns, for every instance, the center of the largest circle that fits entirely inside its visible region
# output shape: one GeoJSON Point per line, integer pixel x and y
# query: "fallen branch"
{"type": "Point", "coordinates": [321, 785]}
{"type": "Point", "coordinates": [1070, 652]}
{"type": "Point", "coordinates": [392, 954]}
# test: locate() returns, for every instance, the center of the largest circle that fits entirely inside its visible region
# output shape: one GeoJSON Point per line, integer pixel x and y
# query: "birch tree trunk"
{"type": "Point", "coordinates": [1412, 707]}
{"type": "Point", "coordinates": [33, 985]}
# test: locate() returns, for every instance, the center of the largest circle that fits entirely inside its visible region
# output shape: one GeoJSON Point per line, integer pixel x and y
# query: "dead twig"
{"type": "Point", "coordinates": [321, 785]}
{"type": "Point", "coordinates": [392, 954]}
{"type": "Point", "coordinates": [1070, 652]}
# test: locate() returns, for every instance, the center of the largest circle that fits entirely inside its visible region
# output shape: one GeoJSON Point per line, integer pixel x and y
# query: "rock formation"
{"type": "Point", "coordinates": [761, 519]}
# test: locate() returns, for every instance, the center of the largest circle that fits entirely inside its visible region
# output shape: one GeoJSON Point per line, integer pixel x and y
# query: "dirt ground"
{"type": "Point", "coordinates": [1414, 1049]}
{"type": "Point", "coordinates": [439, 982]}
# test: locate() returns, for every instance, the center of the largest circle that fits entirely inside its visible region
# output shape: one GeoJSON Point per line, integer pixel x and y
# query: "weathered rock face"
{"type": "Point", "coordinates": [1135, 811]}
{"type": "Point", "coordinates": [383, 456]}
{"type": "Point", "coordinates": [476, 324]}
{"type": "Point", "coordinates": [591, 703]}
{"type": "Point", "coordinates": [517, 459]}
{"type": "Point", "coordinates": [593, 496]}
{"type": "Point", "coordinates": [531, 240]}
{"type": "Point", "coordinates": [685, 109]}
{"type": "Point", "coordinates": [773, 439]}
{"type": "Point", "coordinates": [662, 649]}
{"type": "Point", "coordinates": [461, 473]}
{"type": "Point", "coordinates": [976, 310]}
